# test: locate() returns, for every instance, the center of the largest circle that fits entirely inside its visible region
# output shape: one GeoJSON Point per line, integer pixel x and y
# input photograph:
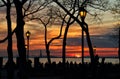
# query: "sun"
{"type": "Point", "coordinates": [77, 55]}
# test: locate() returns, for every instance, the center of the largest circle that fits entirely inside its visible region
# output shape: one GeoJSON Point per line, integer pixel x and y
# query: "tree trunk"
{"type": "Point", "coordinates": [119, 46]}
{"type": "Point", "coordinates": [20, 31]}
{"type": "Point", "coordinates": [47, 47]}
{"type": "Point", "coordinates": [89, 43]}
{"type": "Point", "coordinates": [10, 63]}
{"type": "Point", "coordinates": [64, 45]}
{"type": "Point", "coordinates": [48, 54]}
{"type": "Point", "coordinates": [48, 44]}
{"type": "Point", "coordinates": [9, 48]}
{"type": "Point", "coordinates": [20, 38]}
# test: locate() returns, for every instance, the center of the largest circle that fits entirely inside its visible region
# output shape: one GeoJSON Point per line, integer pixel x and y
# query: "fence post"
{"type": "Point", "coordinates": [36, 62]}
{"type": "Point", "coordinates": [1, 62]}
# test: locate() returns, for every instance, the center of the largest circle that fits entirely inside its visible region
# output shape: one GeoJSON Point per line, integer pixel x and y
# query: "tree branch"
{"type": "Point", "coordinates": [38, 9]}
{"type": "Point", "coordinates": [1, 41]}
{"type": "Point", "coordinates": [56, 1]}
{"type": "Point", "coordinates": [57, 37]}
{"type": "Point", "coordinates": [25, 10]}
{"type": "Point", "coordinates": [24, 1]}
{"type": "Point", "coordinates": [4, 2]}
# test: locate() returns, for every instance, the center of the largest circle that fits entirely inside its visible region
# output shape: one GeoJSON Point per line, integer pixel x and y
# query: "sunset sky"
{"type": "Point", "coordinates": [100, 36]}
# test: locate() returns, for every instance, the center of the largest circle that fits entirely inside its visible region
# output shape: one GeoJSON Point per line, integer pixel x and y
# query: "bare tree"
{"type": "Point", "coordinates": [24, 8]}
{"type": "Point", "coordinates": [8, 17]}
{"type": "Point", "coordinates": [10, 63]}
{"type": "Point", "coordinates": [87, 33]}
{"type": "Point", "coordinates": [22, 11]}
{"type": "Point", "coordinates": [19, 35]}
{"type": "Point", "coordinates": [69, 21]}
{"type": "Point", "coordinates": [115, 9]}
{"type": "Point", "coordinates": [46, 20]}
{"type": "Point", "coordinates": [84, 3]}
{"type": "Point", "coordinates": [49, 17]}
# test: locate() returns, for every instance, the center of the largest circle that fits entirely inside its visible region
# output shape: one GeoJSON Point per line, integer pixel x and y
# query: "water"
{"type": "Point", "coordinates": [77, 60]}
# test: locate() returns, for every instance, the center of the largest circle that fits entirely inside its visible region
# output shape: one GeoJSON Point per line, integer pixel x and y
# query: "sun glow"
{"type": "Point", "coordinates": [77, 55]}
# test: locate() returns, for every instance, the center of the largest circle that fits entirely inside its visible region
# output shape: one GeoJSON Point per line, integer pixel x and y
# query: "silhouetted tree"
{"type": "Point", "coordinates": [8, 17]}
{"type": "Point", "coordinates": [87, 33]}
{"type": "Point", "coordinates": [35, 14]}
{"type": "Point", "coordinates": [10, 63]}
{"type": "Point", "coordinates": [20, 36]}
{"type": "Point", "coordinates": [23, 10]}
{"type": "Point", "coordinates": [69, 22]}
{"type": "Point", "coordinates": [47, 19]}
{"type": "Point", "coordinates": [119, 46]}
{"type": "Point", "coordinates": [83, 3]}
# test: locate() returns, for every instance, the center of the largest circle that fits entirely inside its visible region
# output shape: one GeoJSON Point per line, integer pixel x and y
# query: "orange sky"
{"type": "Point", "coordinates": [99, 33]}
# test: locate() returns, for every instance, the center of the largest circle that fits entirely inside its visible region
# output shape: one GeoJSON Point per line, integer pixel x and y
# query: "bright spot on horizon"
{"type": "Point", "coordinates": [78, 55]}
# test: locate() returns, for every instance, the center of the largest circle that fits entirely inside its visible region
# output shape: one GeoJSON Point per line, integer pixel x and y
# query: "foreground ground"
{"type": "Point", "coordinates": [69, 71]}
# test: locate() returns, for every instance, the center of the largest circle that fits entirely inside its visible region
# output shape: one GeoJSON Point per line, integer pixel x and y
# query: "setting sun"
{"type": "Point", "coordinates": [78, 55]}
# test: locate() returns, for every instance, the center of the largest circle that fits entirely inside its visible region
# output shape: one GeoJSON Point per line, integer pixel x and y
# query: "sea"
{"type": "Point", "coordinates": [74, 60]}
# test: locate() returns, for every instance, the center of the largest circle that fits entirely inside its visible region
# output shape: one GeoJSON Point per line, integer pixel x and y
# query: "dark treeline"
{"type": "Point", "coordinates": [71, 70]}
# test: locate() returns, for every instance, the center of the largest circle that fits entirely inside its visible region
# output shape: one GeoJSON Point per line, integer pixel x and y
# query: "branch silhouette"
{"type": "Point", "coordinates": [3, 40]}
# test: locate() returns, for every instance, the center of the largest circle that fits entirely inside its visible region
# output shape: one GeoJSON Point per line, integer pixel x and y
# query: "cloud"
{"type": "Point", "coordinates": [103, 41]}
{"type": "Point", "coordinates": [99, 35]}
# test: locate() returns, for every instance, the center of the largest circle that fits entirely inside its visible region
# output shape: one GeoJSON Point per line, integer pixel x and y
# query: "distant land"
{"type": "Point", "coordinates": [66, 57]}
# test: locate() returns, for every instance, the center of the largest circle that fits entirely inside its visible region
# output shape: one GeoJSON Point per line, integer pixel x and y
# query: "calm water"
{"type": "Point", "coordinates": [77, 60]}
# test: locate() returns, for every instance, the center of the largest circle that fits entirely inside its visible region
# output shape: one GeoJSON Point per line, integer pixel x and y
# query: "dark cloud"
{"type": "Point", "coordinates": [97, 40]}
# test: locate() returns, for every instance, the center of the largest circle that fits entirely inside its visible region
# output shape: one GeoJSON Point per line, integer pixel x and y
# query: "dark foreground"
{"type": "Point", "coordinates": [67, 71]}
